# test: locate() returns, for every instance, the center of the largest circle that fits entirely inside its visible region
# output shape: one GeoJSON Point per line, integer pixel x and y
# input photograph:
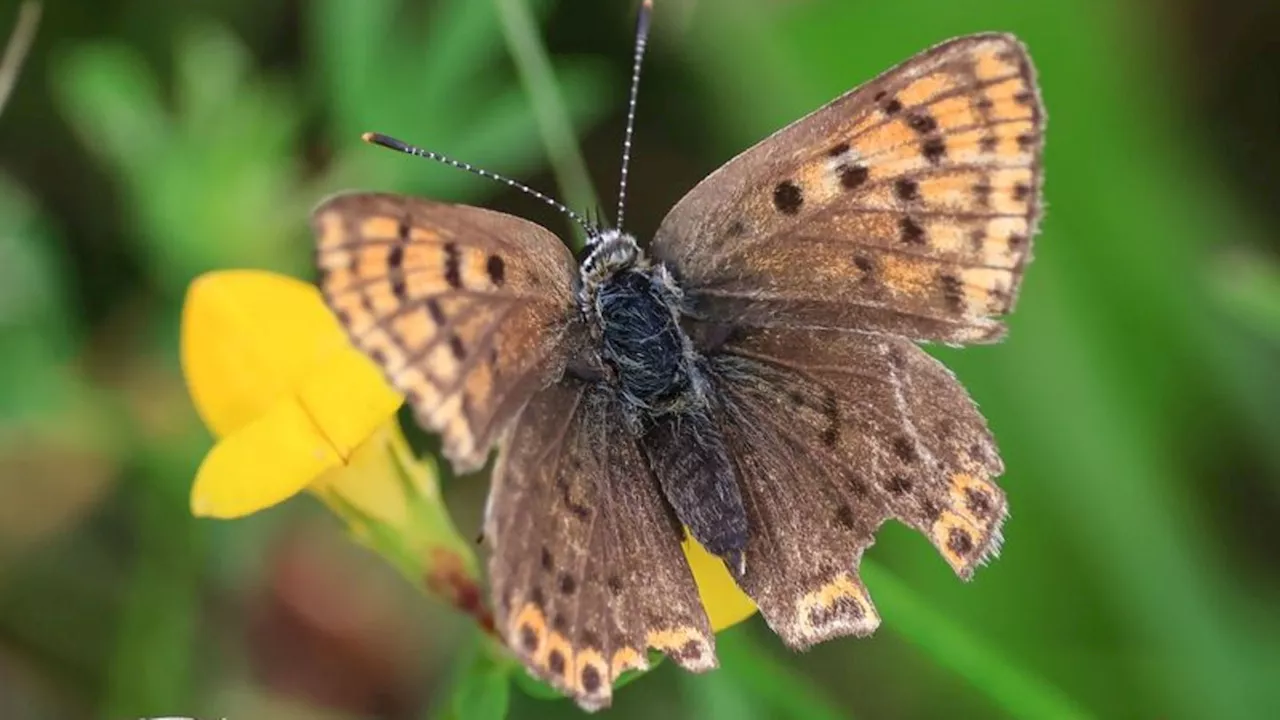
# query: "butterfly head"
{"type": "Point", "coordinates": [607, 253]}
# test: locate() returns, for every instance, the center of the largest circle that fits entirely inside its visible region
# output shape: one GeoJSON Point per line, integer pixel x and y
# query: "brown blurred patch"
{"type": "Point", "coordinates": [51, 479]}
{"type": "Point", "coordinates": [331, 631]}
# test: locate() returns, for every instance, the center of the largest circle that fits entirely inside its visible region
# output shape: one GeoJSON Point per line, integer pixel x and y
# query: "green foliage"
{"type": "Point", "coordinates": [482, 686]}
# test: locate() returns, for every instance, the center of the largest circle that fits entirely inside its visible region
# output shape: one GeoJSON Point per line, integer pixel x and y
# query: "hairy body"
{"type": "Point", "coordinates": [633, 308]}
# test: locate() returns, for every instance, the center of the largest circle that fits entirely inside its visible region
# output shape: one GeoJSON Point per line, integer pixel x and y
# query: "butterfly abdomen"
{"type": "Point", "coordinates": [687, 454]}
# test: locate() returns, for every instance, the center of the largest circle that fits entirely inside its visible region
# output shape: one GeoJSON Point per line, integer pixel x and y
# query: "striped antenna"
{"type": "Point", "coordinates": [642, 40]}
{"type": "Point", "coordinates": [394, 144]}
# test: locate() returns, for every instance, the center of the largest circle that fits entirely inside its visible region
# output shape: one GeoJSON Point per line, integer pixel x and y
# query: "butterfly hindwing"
{"type": "Point", "coordinates": [466, 310]}
{"type": "Point", "coordinates": [905, 206]}
{"type": "Point", "coordinates": [586, 566]}
{"type": "Point", "coordinates": [833, 433]}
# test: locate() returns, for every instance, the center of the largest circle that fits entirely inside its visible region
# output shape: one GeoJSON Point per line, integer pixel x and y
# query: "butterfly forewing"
{"type": "Point", "coordinates": [905, 206]}
{"type": "Point", "coordinates": [586, 566]}
{"type": "Point", "coordinates": [467, 311]}
{"type": "Point", "coordinates": [834, 432]}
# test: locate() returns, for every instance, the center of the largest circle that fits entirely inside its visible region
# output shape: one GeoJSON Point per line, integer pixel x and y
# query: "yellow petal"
{"type": "Point", "coordinates": [249, 337]}
{"type": "Point", "coordinates": [725, 602]}
{"type": "Point", "coordinates": [372, 481]}
{"type": "Point", "coordinates": [261, 464]}
{"type": "Point", "coordinates": [347, 398]}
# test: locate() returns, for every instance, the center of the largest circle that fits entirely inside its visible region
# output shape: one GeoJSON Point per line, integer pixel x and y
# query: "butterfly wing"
{"type": "Point", "coordinates": [587, 567]}
{"type": "Point", "coordinates": [832, 433]}
{"type": "Point", "coordinates": [905, 206]}
{"type": "Point", "coordinates": [467, 311]}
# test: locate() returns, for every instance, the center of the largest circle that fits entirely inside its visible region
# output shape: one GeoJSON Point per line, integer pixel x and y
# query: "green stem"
{"type": "Point", "coordinates": [536, 74]}
{"type": "Point", "coordinates": [426, 548]}
{"type": "Point", "coordinates": [24, 32]}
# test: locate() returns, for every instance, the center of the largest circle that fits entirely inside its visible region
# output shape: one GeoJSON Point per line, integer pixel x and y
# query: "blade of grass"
{"type": "Point", "coordinates": [534, 67]}
{"type": "Point", "coordinates": [1016, 690]}
{"type": "Point", "coordinates": [1247, 286]}
{"type": "Point", "coordinates": [24, 33]}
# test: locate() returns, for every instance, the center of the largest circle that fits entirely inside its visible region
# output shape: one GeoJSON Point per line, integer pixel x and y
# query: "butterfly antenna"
{"type": "Point", "coordinates": [389, 142]}
{"type": "Point", "coordinates": [642, 40]}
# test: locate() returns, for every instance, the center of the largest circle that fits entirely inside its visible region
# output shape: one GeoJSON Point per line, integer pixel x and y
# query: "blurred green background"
{"type": "Point", "coordinates": [1137, 399]}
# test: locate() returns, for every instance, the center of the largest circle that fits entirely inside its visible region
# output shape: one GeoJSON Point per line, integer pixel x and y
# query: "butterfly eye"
{"type": "Point", "coordinates": [588, 247]}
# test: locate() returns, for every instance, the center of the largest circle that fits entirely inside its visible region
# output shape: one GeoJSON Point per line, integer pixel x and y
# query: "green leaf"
{"type": "Point", "coordinates": [481, 688]}
{"type": "Point", "coordinates": [36, 340]}
{"type": "Point", "coordinates": [535, 688]}
{"type": "Point", "coordinates": [211, 182]}
{"type": "Point", "coordinates": [112, 100]}
{"type": "Point", "coordinates": [530, 54]}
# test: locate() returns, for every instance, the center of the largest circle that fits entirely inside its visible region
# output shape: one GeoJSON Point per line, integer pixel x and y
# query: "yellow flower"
{"type": "Point", "coordinates": [295, 407]}
{"type": "Point", "coordinates": [273, 377]}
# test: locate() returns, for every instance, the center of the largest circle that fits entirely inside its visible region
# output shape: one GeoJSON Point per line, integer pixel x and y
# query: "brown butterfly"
{"type": "Point", "coordinates": [752, 378]}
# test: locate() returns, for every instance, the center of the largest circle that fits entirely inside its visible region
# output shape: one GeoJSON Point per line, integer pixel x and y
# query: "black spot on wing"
{"type": "Point", "coordinates": [831, 412]}
{"type": "Point", "coordinates": [590, 679]}
{"type": "Point", "coordinates": [568, 585]}
{"type": "Point", "coordinates": [910, 231]}
{"type": "Point", "coordinates": [982, 193]}
{"type": "Point", "coordinates": [528, 638]}
{"type": "Point", "coordinates": [497, 270]}
{"type": "Point", "coordinates": [906, 189]}
{"type": "Point", "coordinates": [934, 150]}
{"type": "Point", "coordinates": [977, 238]}
{"type": "Point", "coordinates": [922, 123]}
{"type": "Point", "coordinates": [852, 176]}
{"type": "Point", "coordinates": [787, 197]}
{"type": "Point", "coordinates": [433, 309]}
{"type": "Point", "coordinates": [452, 266]}
{"type": "Point", "coordinates": [959, 542]}
{"type": "Point", "coordinates": [952, 291]}
{"type": "Point", "coordinates": [978, 502]}
{"type": "Point", "coordinates": [845, 517]}
{"type": "Point", "coordinates": [905, 449]}
{"type": "Point", "coordinates": [555, 662]}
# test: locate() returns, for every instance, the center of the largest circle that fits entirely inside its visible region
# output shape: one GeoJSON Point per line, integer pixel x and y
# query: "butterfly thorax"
{"type": "Point", "coordinates": [633, 308]}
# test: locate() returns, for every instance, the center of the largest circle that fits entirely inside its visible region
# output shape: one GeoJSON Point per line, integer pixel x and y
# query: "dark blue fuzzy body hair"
{"type": "Point", "coordinates": [642, 339]}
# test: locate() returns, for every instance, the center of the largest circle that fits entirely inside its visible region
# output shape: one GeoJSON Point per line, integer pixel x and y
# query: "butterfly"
{"type": "Point", "coordinates": [751, 378]}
